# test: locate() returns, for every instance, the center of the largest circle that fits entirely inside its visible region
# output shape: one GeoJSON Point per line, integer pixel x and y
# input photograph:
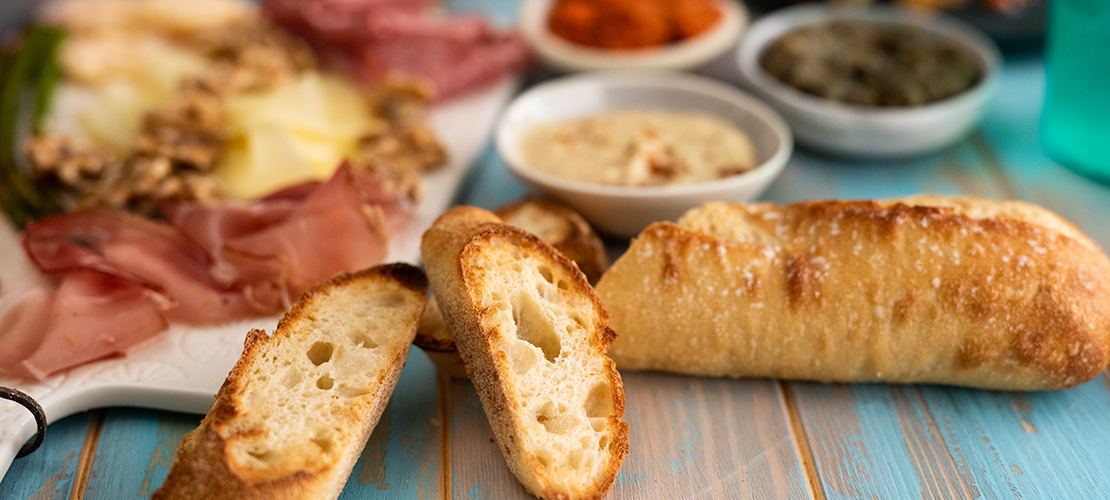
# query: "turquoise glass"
{"type": "Point", "coordinates": [1075, 123]}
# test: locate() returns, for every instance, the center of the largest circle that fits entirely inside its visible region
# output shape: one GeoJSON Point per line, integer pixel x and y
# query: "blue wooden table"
{"type": "Point", "coordinates": [717, 438]}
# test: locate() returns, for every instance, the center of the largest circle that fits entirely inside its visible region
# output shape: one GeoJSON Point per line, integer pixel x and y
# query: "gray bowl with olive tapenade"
{"type": "Point", "coordinates": [872, 64]}
{"type": "Point", "coordinates": [870, 81]}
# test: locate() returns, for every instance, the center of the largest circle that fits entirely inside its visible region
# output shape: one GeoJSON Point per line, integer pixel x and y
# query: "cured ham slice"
{"type": "Point", "coordinates": [372, 38]}
{"type": "Point", "coordinates": [21, 331]}
{"type": "Point", "coordinates": [279, 246]}
{"type": "Point", "coordinates": [123, 277]}
{"type": "Point", "coordinates": [150, 254]}
{"type": "Point", "coordinates": [92, 315]}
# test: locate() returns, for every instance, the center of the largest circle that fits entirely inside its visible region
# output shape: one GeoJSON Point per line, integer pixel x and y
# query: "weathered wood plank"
{"type": "Point", "coordinates": [954, 170]}
{"type": "Point", "coordinates": [48, 473]}
{"type": "Point", "coordinates": [477, 468]}
{"type": "Point", "coordinates": [1037, 444]}
{"type": "Point", "coordinates": [935, 442]}
{"type": "Point", "coordinates": [402, 457]}
{"type": "Point", "coordinates": [690, 438]}
{"type": "Point", "coordinates": [708, 438]}
{"type": "Point", "coordinates": [941, 442]}
{"type": "Point", "coordinates": [878, 441]}
{"type": "Point", "coordinates": [135, 452]}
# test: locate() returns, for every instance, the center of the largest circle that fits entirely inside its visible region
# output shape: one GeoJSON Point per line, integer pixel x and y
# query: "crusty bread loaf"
{"type": "Point", "coordinates": [296, 410]}
{"type": "Point", "coordinates": [553, 223]}
{"type": "Point", "coordinates": [960, 291]}
{"type": "Point", "coordinates": [533, 335]}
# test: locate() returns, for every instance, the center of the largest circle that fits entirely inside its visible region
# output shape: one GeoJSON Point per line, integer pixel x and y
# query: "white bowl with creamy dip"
{"type": "Point", "coordinates": [858, 130]}
{"type": "Point", "coordinates": [624, 210]}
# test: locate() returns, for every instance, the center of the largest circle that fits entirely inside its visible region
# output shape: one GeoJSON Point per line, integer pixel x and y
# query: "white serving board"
{"type": "Point", "coordinates": [182, 368]}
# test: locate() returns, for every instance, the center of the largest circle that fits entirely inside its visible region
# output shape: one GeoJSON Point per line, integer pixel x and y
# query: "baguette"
{"type": "Point", "coordinates": [533, 335]}
{"type": "Point", "coordinates": [553, 223]}
{"type": "Point", "coordinates": [928, 289]}
{"type": "Point", "coordinates": [296, 410]}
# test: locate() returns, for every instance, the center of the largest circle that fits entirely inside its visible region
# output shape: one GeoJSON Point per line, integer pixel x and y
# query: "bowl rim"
{"type": "Point", "coordinates": [672, 80]}
{"type": "Point", "coordinates": [779, 22]}
{"type": "Point", "coordinates": [569, 56]}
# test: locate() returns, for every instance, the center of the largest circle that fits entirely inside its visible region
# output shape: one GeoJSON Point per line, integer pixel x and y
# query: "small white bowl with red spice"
{"type": "Point", "coordinates": [624, 210]}
{"type": "Point", "coordinates": [562, 54]}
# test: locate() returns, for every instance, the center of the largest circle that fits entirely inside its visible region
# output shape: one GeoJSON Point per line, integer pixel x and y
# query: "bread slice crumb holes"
{"type": "Point", "coordinates": [296, 410]}
{"type": "Point", "coordinates": [533, 335]}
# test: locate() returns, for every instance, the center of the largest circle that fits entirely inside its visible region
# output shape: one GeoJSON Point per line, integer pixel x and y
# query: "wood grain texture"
{"type": "Point", "coordinates": [941, 442]}
{"type": "Point", "coordinates": [690, 438]}
{"type": "Point", "coordinates": [1039, 444]}
{"type": "Point", "coordinates": [708, 438]}
{"type": "Point", "coordinates": [812, 176]}
{"type": "Point", "coordinates": [478, 470]}
{"type": "Point", "coordinates": [135, 451]}
{"type": "Point", "coordinates": [938, 442]}
{"type": "Point", "coordinates": [48, 473]}
{"type": "Point", "coordinates": [805, 451]}
{"type": "Point", "coordinates": [401, 459]}
{"type": "Point", "coordinates": [879, 441]}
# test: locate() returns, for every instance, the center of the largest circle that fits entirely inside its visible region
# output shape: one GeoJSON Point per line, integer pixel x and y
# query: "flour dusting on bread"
{"type": "Point", "coordinates": [961, 291]}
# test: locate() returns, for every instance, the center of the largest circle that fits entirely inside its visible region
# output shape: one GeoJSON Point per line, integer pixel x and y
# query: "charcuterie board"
{"type": "Point", "coordinates": [182, 368]}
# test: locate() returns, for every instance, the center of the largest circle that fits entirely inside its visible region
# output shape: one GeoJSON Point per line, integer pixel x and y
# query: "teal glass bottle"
{"type": "Point", "coordinates": [1075, 121]}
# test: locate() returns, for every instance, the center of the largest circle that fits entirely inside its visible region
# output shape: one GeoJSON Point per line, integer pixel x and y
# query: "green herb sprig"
{"type": "Point", "coordinates": [27, 80]}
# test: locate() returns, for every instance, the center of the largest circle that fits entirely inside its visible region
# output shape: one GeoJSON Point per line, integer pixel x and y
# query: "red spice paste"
{"type": "Point", "coordinates": [631, 24]}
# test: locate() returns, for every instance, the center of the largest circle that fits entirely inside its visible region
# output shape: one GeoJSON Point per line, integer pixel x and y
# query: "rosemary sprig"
{"type": "Point", "coordinates": [27, 80]}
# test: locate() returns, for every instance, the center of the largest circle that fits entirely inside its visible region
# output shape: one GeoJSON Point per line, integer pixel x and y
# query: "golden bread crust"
{"type": "Point", "coordinates": [243, 448]}
{"type": "Point", "coordinates": [958, 291]}
{"type": "Point", "coordinates": [553, 223]}
{"type": "Point", "coordinates": [470, 256]}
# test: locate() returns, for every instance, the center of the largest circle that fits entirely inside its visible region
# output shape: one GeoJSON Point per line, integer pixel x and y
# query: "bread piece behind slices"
{"type": "Point", "coordinates": [554, 223]}
{"type": "Point", "coordinates": [533, 335]}
{"type": "Point", "coordinates": [562, 228]}
{"type": "Point", "coordinates": [296, 410]}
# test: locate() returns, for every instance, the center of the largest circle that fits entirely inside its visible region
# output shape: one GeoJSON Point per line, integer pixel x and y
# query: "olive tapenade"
{"type": "Point", "coordinates": [872, 64]}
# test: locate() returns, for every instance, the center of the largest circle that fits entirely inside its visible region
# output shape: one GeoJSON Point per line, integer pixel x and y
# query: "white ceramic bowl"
{"type": "Point", "coordinates": [563, 55]}
{"type": "Point", "coordinates": [625, 210]}
{"type": "Point", "coordinates": [865, 131]}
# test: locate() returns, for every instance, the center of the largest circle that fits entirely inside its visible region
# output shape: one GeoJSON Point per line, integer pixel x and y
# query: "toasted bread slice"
{"type": "Point", "coordinates": [296, 410]}
{"type": "Point", "coordinates": [533, 335]}
{"type": "Point", "coordinates": [555, 224]}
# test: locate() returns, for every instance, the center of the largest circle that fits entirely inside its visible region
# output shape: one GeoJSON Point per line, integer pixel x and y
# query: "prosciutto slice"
{"type": "Point", "coordinates": [90, 316]}
{"type": "Point", "coordinates": [149, 254]}
{"type": "Point", "coordinates": [372, 38]}
{"type": "Point", "coordinates": [276, 248]}
{"type": "Point", "coordinates": [123, 278]}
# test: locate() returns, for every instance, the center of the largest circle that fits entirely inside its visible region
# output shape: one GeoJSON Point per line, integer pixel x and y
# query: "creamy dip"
{"type": "Point", "coordinates": [639, 148]}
